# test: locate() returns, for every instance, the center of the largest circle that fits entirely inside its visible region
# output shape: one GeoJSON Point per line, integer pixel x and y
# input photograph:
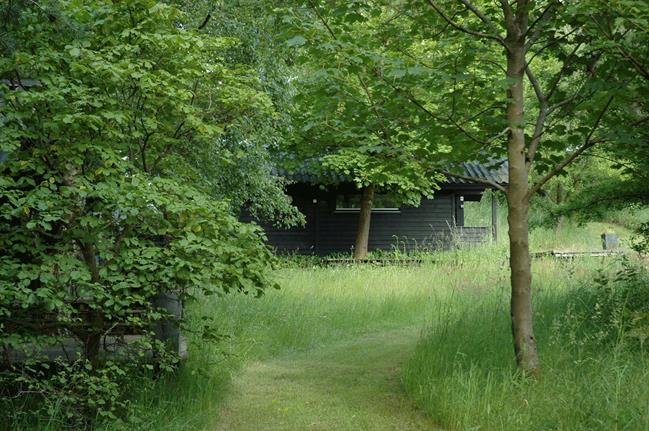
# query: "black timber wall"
{"type": "Point", "coordinates": [409, 229]}
{"type": "Point", "coordinates": [432, 225]}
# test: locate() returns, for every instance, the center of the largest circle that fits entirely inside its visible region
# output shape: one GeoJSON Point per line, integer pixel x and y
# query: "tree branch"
{"type": "Point", "coordinates": [205, 20]}
{"type": "Point", "coordinates": [537, 33]}
{"type": "Point", "coordinates": [507, 11]}
{"type": "Point", "coordinates": [322, 20]}
{"type": "Point", "coordinates": [640, 68]}
{"type": "Point", "coordinates": [588, 143]}
{"type": "Point", "coordinates": [434, 116]}
{"type": "Point", "coordinates": [559, 76]}
{"type": "Point", "coordinates": [540, 119]}
{"type": "Point", "coordinates": [551, 43]}
{"type": "Point", "coordinates": [574, 96]}
{"type": "Point", "coordinates": [463, 29]}
{"type": "Point", "coordinates": [479, 14]}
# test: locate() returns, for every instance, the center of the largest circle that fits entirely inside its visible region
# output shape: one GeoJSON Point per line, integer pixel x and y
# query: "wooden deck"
{"type": "Point", "coordinates": [567, 254]}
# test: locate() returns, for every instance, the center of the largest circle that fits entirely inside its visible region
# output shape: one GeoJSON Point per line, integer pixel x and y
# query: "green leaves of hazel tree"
{"type": "Point", "coordinates": [113, 115]}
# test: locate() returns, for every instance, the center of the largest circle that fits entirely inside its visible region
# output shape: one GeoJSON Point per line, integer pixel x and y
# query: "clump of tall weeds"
{"type": "Point", "coordinates": [610, 310]}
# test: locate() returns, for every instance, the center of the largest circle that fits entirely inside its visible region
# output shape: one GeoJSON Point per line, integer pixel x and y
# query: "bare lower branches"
{"type": "Point", "coordinates": [588, 143]}
{"type": "Point", "coordinates": [463, 29]}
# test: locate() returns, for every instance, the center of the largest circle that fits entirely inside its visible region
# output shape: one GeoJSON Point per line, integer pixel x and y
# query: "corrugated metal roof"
{"type": "Point", "coordinates": [14, 84]}
{"type": "Point", "coordinates": [495, 172]}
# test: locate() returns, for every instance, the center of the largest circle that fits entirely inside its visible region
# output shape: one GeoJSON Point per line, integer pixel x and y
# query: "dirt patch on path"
{"type": "Point", "coordinates": [352, 385]}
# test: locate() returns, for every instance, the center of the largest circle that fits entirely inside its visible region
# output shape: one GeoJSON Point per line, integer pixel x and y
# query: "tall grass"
{"type": "Point", "coordinates": [463, 373]}
{"type": "Point", "coordinates": [314, 306]}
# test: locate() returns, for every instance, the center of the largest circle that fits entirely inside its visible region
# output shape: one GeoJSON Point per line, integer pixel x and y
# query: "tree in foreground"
{"type": "Point", "coordinates": [475, 72]}
{"type": "Point", "coordinates": [348, 122]}
{"type": "Point", "coordinates": [113, 116]}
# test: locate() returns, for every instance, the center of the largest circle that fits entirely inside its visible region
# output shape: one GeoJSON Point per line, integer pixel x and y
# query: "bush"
{"type": "Point", "coordinates": [104, 204]}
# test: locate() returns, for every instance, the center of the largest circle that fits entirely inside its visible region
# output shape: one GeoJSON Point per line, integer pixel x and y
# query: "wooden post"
{"type": "Point", "coordinates": [459, 211]}
{"type": "Point", "coordinates": [494, 216]}
{"type": "Point", "coordinates": [316, 227]}
{"type": "Point", "coordinates": [167, 330]}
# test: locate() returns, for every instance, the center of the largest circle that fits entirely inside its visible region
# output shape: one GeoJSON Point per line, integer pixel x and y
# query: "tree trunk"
{"type": "Point", "coordinates": [94, 318]}
{"type": "Point", "coordinates": [364, 217]}
{"type": "Point", "coordinates": [559, 201]}
{"type": "Point", "coordinates": [518, 205]}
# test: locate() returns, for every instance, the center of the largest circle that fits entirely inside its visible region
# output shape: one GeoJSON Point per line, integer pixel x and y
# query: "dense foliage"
{"type": "Point", "coordinates": [350, 117]}
{"type": "Point", "coordinates": [135, 132]}
{"type": "Point", "coordinates": [615, 177]}
{"type": "Point", "coordinates": [114, 117]}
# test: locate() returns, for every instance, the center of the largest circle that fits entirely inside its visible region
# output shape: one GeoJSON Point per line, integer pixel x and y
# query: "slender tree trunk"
{"type": "Point", "coordinates": [518, 204]}
{"type": "Point", "coordinates": [559, 201]}
{"type": "Point", "coordinates": [364, 217]}
{"type": "Point", "coordinates": [95, 318]}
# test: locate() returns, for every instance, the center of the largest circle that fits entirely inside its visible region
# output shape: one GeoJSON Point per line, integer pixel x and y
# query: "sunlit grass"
{"type": "Point", "coordinates": [463, 371]}
{"type": "Point", "coordinates": [315, 306]}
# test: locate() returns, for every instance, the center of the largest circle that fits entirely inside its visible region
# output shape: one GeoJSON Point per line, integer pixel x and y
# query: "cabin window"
{"type": "Point", "coordinates": [351, 202]}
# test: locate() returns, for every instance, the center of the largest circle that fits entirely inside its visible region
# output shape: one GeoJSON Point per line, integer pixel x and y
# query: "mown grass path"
{"type": "Point", "coordinates": [350, 385]}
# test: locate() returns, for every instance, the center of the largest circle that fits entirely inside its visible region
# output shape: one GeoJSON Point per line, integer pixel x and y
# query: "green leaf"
{"type": "Point", "coordinates": [296, 41]}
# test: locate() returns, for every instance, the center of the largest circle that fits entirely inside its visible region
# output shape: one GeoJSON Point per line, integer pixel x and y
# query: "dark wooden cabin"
{"type": "Point", "coordinates": [332, 215]}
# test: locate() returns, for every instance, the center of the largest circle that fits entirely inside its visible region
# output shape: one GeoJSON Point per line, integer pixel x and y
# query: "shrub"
{"type": "Point", "coordinates": [103, 204]}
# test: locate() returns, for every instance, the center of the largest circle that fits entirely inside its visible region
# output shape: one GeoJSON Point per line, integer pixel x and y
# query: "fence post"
{"type": "Point", "coordinates": [610, 241]}
{"type": "Point", "coordinates": [167, 330]}
{"type": "Point", "coordinates": [494, 216]}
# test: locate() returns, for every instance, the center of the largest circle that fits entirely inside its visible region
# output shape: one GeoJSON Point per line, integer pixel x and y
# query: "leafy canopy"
{"type": "Point", "coordinates": [113, 117]}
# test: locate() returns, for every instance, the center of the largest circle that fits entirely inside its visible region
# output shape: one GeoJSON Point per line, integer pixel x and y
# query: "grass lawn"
{"type": "Point", "coordinates": [372, 347]}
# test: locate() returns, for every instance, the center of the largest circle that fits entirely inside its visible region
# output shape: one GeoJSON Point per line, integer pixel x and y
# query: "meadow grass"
{"type": "Point", "coordinates": [314, 307]}
{"type": "Point", "coordinates": [462, 372]}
